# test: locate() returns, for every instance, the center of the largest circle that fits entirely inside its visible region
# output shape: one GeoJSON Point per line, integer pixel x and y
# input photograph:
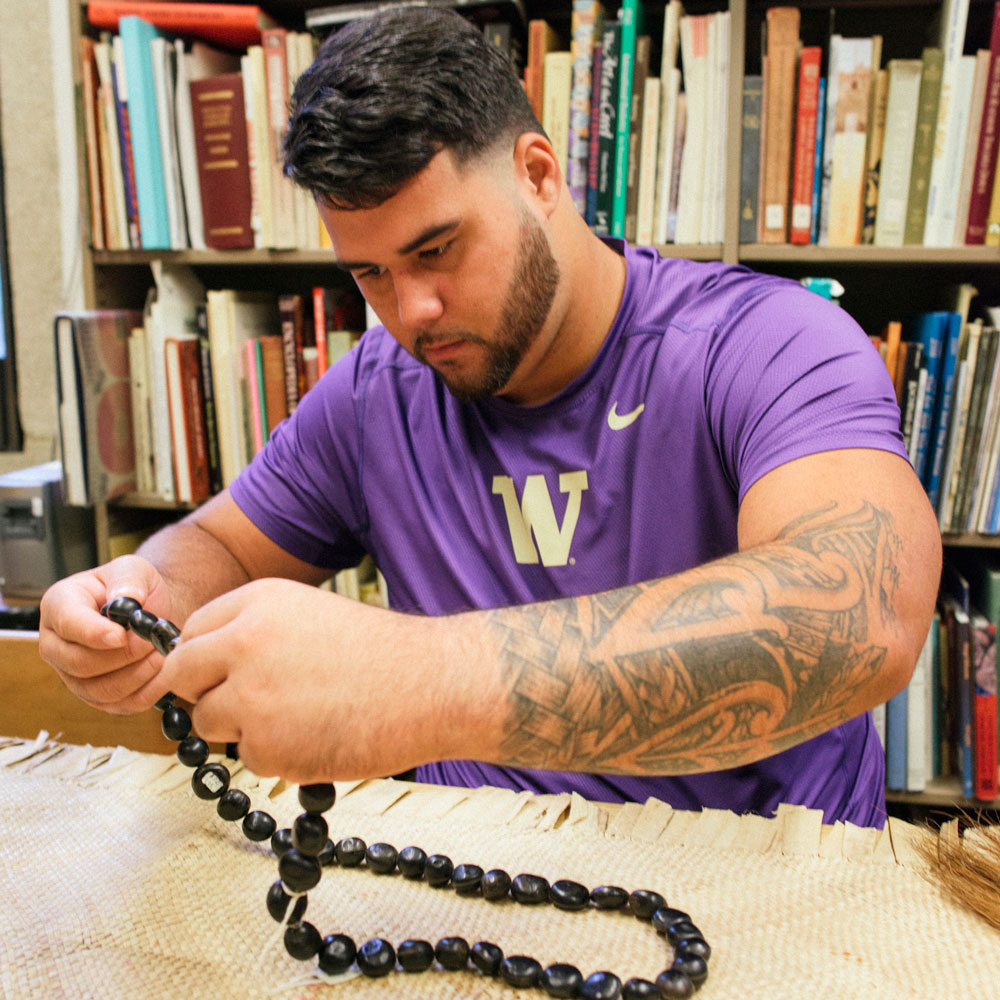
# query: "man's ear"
{"type": "Point", "coordinates": [537, 170]}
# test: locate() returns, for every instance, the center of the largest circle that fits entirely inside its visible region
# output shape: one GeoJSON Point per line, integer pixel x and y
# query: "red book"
{"type": "Point", "coordinates": [989, 139]}
{"type": "Point", "coordinates": [235, 25]}
{"type": "Point", "coordinates": [984, 709]}
{"type": "Point", "coordinates": [805, 143]}
{"type": "Point", "coordinates": [220, 138]}
{"type": "Point", "coordinates": [187, 419]}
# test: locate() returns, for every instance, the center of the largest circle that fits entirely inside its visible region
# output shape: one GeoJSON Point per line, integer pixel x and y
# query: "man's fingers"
{"type": "Point", "coordinates": [213, 719]}
{"type": "Point", "coordinates": [120, 691]}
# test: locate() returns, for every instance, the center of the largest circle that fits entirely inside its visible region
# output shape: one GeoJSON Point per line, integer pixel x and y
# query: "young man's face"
{"type": "Point", "coordinates": [460, 273]}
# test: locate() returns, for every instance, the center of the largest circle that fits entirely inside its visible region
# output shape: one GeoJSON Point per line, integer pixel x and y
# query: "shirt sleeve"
{"type": "Point", "coordinates": [791, 374]}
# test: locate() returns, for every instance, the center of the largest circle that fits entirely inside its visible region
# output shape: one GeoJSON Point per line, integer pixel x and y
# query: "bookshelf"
{"type": "Point", "coordinates": [882, 282]}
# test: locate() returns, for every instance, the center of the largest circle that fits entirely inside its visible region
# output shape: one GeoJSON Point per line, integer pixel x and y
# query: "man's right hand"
{"type": "Point", "coordinates": [102, 663]}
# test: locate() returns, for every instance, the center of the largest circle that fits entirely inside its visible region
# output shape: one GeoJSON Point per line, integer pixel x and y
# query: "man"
{"type": "Point", "coordinates": [648, 526]}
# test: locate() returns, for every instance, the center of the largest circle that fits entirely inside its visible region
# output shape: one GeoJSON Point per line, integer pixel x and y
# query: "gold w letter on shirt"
{"type": "Point", "coordinates": [536, 516]}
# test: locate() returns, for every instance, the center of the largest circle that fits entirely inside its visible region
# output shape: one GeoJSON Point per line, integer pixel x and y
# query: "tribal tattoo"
{"type": "Point", "coordinates": [762, 650]}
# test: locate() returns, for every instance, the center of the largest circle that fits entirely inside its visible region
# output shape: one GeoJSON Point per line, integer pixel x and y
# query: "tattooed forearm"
{"type": "Point", "coordinates": [725, 664]}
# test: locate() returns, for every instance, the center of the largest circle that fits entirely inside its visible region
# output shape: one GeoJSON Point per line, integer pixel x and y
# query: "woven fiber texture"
{"type": "Point", "coordinates": [118, 883]}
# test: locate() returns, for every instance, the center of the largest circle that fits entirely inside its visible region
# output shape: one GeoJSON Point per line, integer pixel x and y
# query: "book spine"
{"type": "Point", "coordinates": [805, 144]}
{"type": "Point", "coordinates": [640, 74]}
{"type": "Point", "coordinates": [234, 25]}
{"type": "Point", "coordinates": [986, 150]}
{"type": "Point", "coordinates": [587, 18]}
{"type": "Point", "coordinates": [629, 16]}
{"type": "Point", "coordinates": [873, 155]}
{"type": "Point", "coordinates": [817, 196]}
{"type": "Point", "coordinates": [594, 130]}
{"type": "Point", "coordinates": [610, 72]}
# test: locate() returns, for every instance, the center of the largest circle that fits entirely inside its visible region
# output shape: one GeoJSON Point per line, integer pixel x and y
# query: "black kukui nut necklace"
{"type": "Point", "coordinates": [305, 849]}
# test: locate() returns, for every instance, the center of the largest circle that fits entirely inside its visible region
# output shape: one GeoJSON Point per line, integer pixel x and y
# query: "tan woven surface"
{"type": "Point", "coordinates": [117, 882]}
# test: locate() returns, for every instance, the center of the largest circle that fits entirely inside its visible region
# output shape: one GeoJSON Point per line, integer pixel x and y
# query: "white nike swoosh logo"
{"type": "Point", "coordinates": [618, 421]}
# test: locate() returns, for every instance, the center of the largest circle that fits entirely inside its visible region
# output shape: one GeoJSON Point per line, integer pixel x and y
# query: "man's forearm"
{"type": "Point", "coordinates": [715, 667]}
{"type": "Point", "coordinates": [195, 565]}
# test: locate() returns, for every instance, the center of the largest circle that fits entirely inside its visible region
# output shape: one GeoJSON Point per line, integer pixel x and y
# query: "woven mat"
{"type": "Point", "coordinates": [117, 882]}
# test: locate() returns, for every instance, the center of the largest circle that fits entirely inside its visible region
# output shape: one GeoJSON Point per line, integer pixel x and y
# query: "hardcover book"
{"type": "Point", "coordinates": [232, 24]}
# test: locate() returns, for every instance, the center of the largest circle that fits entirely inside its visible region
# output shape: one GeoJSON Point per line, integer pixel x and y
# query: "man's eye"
{"type": "Point", "coordinates": [368, 272]}
{"type": "Point", "coordinates": [434, 253]}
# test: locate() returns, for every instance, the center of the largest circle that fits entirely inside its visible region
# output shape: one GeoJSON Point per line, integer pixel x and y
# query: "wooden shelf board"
{"type": "Point", "coordinates": [941, 792]}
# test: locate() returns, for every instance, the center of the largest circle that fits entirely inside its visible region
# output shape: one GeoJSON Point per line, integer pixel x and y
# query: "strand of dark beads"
{"type": "Point", "coordinates": [304, 849]}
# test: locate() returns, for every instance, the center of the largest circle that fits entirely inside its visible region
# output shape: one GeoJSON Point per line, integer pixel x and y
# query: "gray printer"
{"type": "Point", "coordinates": [41, 538]}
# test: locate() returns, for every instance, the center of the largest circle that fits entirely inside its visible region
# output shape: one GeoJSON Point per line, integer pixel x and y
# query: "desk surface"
{"type": "Point", "coordinates": [119, 883]}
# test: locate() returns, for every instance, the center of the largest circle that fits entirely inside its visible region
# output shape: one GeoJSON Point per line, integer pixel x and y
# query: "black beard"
{"type": "Point", "coordinates": [530, 295]}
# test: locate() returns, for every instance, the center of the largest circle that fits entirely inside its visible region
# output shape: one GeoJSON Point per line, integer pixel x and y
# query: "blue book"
{"type": "Point", "coordinates": [957, 608]}
{"type": "Point", "coordinates": [928, 329]}
{"type": "Point", "coordinates": [818, 162]}
{"type": "Point", "coordinates": [895, 740]}
{"type": "Point", "coordinates": [942, 411]}
{"type": "Point", "coordinates": [631, 17]}
{"type": "Point", "coordinates": [154, 227]}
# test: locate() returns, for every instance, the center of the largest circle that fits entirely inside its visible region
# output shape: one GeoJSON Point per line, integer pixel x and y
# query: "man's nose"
{"type": "Point", "coordinates": [418, 300]}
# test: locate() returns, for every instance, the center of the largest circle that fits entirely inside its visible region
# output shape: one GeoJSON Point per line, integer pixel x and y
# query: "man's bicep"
{"type": "Point", "coordinates": [260, 557]}
{"type": "Point", "coordinates": [866, 505]}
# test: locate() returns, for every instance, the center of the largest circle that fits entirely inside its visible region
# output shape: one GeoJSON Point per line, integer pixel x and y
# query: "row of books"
{"type": "Point", "coordinates": [946, 370]}
{"type": "Point", "coordinates": [944, 722]}
{"type": "Point", "coordinates": [172, 401]}
{"type": "Point", "coordinates": [891, 155]}
{"type": "Point", "coordinates": [184, 139]}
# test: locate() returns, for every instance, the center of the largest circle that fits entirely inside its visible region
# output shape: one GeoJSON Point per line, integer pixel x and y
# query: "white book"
{"type": "Point", "coordinates": [713, 220]}
{"type": "Point", "coordinates": [967, 159]}
{"type": "Point", "coordinates": [162, 55]}
{"type": "Point", "coordinates": [171, 311]}
{"type": "Point", "coordinates": [142, 431]}
{"type": "Point", "coordinates": [557, 84]}
{"type": "Point", "coordinates": [648, 148]}
{"type": "Point", "coordinates": [918, 407]}
{"type": "Point", "coordinates": [897, 151]}
{"type": "Point", "coordinates": [939, 223]}
{"type": "Point", "coordinates": [694, 57]}
{"type": "Point", "coordinates": [917, 720]}
{"type": "Point", "coordinates": [670, 84]}
{"type": "Point", "coordinates": [255, 107]}
{"type": "Point", "coordinates": [307, 223]}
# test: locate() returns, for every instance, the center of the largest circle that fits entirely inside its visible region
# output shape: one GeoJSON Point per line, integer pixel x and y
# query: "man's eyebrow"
{"type": "Point", "coordinates": [432, 232]}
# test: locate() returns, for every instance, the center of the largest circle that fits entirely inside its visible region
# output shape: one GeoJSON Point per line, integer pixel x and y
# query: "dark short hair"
{"type": "Point", "coordinates": [386, 93]}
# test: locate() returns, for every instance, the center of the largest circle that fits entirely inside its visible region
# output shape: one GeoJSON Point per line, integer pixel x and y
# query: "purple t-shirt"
{"type": "Point", "coordinates": [710, 377]}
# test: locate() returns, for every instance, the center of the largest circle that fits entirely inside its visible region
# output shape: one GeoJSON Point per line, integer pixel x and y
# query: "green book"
{"type": "Point", "coordinates": [631, 17]}
{"type": "Point", "coordinates": [923, 146]}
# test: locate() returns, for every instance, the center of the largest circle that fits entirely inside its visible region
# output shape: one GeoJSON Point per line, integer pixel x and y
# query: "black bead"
{"type": "Point", "coordinates": [142, 622]}
{"type": "Point", "coordinates": [495, 884]}
{"type": "Point", "coordinates": [192, 751]}
{"type": "Point", "coordinates": [210, 781]}
{"type": "Point", "coordinates": [411, 862]}
{"type": "Point", "coordinates": [381, 858]}
{"type": "Point", "coordinates": [694, 946]}
{"type": "Point", "coordinates": [415, 956]}
{"type": "Point", "coordinates": [569, 895]}
{"type": "Point", "coordinates": [486, 957]}
{"type": "Point", "coordinates": [530, 889]}
{"type": "Point", "coordinates": [664, 916]}
{"type": "Point", "coordinates": [176, 723]}
{"type": "Point", "coordinates": [644, 903]}
{"type": "Point", "coordinates": [278, 900]}
{"type": "Point", "coordinates": [234, 804]}
{"type": "Point", "coordinates": [350, 851]}
{"type": "Point", "coordinates": [164, 635]}
{"type": "Point", "coordinates": [317, 798]}
{"type": "Point", "coordinates": [452, 952]}
{"type": "Point", "coordinates": [640, 989]}
{"type": "Point", "coordinates": [120, 610]}
{"type": "Point", "coordinates": [281, 841]}
{"type": "Point", "coordinates": [298, 871]}
{"type": "Point", "coordinates": [309, 834]}
{"type": "Point", "coordinates": [438, 870]}
{"type": "Point", "coordinates": [466, 879]}
{"type": "Point", "coordinates": [328, 856]}
{"type": "Point", "coordinates": [337, 954]}
{"type": "Point", "coordinates": [165, 702]}
{"type": "Point", "coordinates": [302, 940]}
{"type": "Point", "coordinates": [693, 966]}
{"type": "Point", "coordinates": [609, 897]}
{"type": "Point", "coordinates": [259, 825]}
{"type": "Point", "coordinates": [376, 958]}
{"type": "Point", "coordinates": [520, 970]}
{"type": "Point", "coordinates": [674, 985]}
{"type": "Point", "coordinates": [601, 986]}
{"type": "Point", "coordinates": [233, 751]}
{"type": "Point", "coordinates": [682, 929]}
{"type": "Point", "coordinates": [562, 980]}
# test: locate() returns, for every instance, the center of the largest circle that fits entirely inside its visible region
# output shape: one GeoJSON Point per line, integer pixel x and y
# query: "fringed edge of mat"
{"type": "Point", "coordinates": [795, 831]}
